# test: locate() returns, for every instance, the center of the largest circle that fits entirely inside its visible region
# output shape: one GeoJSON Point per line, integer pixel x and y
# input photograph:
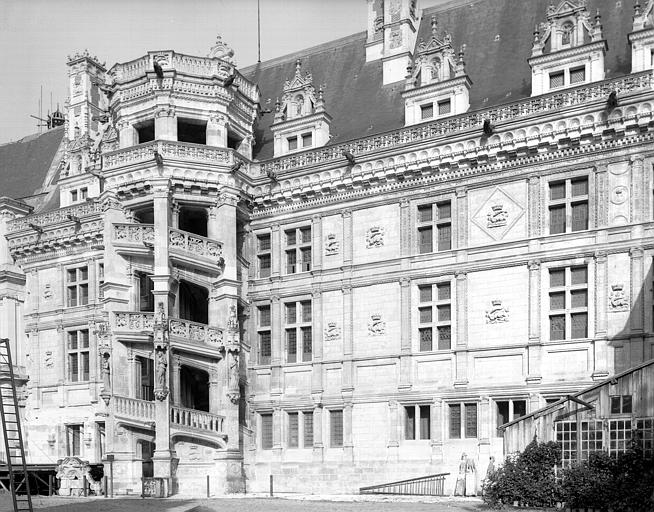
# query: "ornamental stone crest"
{"type": "Point", "coordinates": [47, 292]}
{"type": "Point", "coordinates": [332, 245]}
{"type": "Point", "coordinates": [498, 313]}
{"type": "Point", "coordinates": [374, 237]}
{"type": "Point", "coordinates": [332, 331]}
{"type": "Point", "coordinates": [49, 360]}
{"type": "Point", "coordinates": [221, 50]}
{"type": "Point", "coordinates": [497, 216]}
{"type": "Point", "coordinates": [376, 326]}
{"type": "Point", "coordinates": [618, 300]}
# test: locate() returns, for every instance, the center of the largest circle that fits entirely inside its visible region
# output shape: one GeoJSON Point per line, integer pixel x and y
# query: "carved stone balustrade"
{"type": "Point", "coordinates": [191, 419]}
{"type": "Point", "coordinates": [584, 94]}
{"type": "Point", "coordinates": [56, 216]}
{"type": "Point", "coordinates": [195, 332]}
{"type": "Point", "coordinates": [133, 408]}
{"type": "Point", "coordinates": [133, 321]}
{"type": "Point", "coordinates": [132, 234]}
{"type": "Point", "coordinates": [189, 244]}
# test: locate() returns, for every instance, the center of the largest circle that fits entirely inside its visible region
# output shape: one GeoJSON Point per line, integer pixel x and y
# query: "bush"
{"type": "Point", "coordinates": [624, 483]}
{"type": "Point", "coordinates": [527, 478]}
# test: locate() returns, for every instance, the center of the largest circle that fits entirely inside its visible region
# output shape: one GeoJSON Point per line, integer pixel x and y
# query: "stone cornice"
{"type": "Point", "coordinates": [639, 35]}
{"type": "Point", "coordinates": [571, 52]}
{"type": "Point", "coordinates": [437, 87]}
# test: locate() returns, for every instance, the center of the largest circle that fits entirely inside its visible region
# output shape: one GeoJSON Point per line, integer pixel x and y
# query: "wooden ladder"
{"type": "Point", "coordinates": [13, 436]}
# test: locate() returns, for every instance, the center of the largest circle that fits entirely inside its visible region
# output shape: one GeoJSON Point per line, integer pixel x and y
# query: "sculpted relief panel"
{"type": "Point", "coordinates": [498, 213]}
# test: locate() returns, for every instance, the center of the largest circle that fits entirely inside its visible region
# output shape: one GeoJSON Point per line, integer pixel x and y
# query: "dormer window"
{"type": "Point", "coordinates": [427, 111]}
{"type": "Point", "coordinates": [566, 33]}
{"type": "Point", "coordinates": [299, 105]}
{"type": "Point", "coordinates": [444, 107]}
{"type": "Point", "coordinates": [578, 75]}
{"type": "Point", "coordinates": [302, 141]}
{"type": "Point", "coordinates": [557, 79]}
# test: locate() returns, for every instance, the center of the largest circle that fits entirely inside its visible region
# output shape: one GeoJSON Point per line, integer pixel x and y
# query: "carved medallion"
{"type": "Point", "coordinates": [332, 331]}
{"type": "Point", "coordinates": [498, 313]}
{"type": "Point", "coordinates": [375, 237]}
{"type": "Point", "coordinates": [332, 245]}
{"type": "Point", "coordinates": [49, 360]}
{"type": "Point", "coordinates": [376, 326]}
{"type": "Point", "coordinates": [618, 300]}
{"type": "Point", "coordinates": [497, 216]}
{"type": "Point", "coordinates": [47, 292]}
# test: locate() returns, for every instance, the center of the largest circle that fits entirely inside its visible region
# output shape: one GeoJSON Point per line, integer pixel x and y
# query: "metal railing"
{"type": "Point", "coordinates": [432, 485]}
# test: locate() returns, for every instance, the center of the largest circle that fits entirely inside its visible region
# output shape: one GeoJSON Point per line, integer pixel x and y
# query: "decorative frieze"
{"type": "Point", "coordinates": [55, 216]}
{"type": "Point", "coordinates": [193, 331]}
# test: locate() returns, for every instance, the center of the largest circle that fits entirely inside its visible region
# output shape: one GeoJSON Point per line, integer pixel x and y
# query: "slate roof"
{"type": "Point", "coordinates": [24, 164]}
{"type": "Point", "coordinates": [361, 106]}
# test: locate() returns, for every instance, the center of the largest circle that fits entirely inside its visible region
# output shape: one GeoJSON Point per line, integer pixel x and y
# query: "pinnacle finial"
{"type": "Point", "coordinates": [298, 66]}
{"type": "Point", "coordinates": [637, 7]}
{"type": "Point", "coordinates": [598, 18]}
{"type": "Point", "coordinates": [434, 25]}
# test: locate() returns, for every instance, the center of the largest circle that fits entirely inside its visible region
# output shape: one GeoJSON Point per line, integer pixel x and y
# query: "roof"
{"type": "Point", "coordinates": [24, 165]}
{"type": "Point", "coordinates": [539, 412]}
{"type": "Point", "coordinates": [360, 106]}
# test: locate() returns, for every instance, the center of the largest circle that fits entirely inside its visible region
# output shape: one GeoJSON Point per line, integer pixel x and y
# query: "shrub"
{"type": "Point", "coordinates": [527, 477]}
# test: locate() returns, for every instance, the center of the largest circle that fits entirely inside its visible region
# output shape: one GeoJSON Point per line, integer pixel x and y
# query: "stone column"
{"type": "Point", "coordinates": [127, 135]}
{"type": "Point", "coordinates": [393, 452]}
{"type": "Point", "coordinates": [317, 339]}
{"type": "Point", "coordinates": [601, 197]}
{"type": "Point", "coordinates": [437, 434]}
{"type": "Point", "coordinates": [132, 379]}
{"type": "Point", "coordinates": [174, 221]}
{"type": "Point", "coordinates": [215, 397]}
{"type": "Point", "coordinates": [277, 350]}
{"type": "Point", "coordinates": [534, 206]}
{"type": "Point", "coordinates": [217, 130]}
{"type": "Point", "coordinates": [638, 186]}
{"type": "Point", "coordinates": [461, 348]}
{"type": "Point", "coordinates": [176, 374]}
{"type": "Point", "coordinates": [406, 376]}
{"type": "Point", "coordinates": [636, 318]}
{"type": "Point", "coordinates": [461, 218]}
{"type": "Point", "coordinates": [601, 357]}
{"type": "Point", "coordinates": [316, 234]}
{"type": "Point", "coordinates": [165, 123]}
{"type": "Point", "coordinates": [534, 348]}
{"type": "Point", "coordinates": [277, 251]}
{"type": "Point", "coordinates": [347, 236]}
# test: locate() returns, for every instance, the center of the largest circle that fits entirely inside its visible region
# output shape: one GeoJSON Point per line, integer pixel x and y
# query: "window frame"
{"type": "Point", "coordinates": [331, 415]}
{"type": "Point", "coordinates": [511, 411]}
{"type": "Point", "coordinates": [415, 432]}
{"type": "Point", "coordinates": [299, 327]}
{"type": "Point", "coordinates": [435, 326]}
{"type": "Point", "coordinates": [434, 224]}
{"type": "Point", "coordinates": [77, 354]}
{"type": "Point", "coordinates": [303, 417]}
{"type": "Point", "coordinates": [264, 254]}
{"type": "Point", "coordinates": [71, 428]}
{"type": "Point", "coordinates": [77, 286]}
{"type": "Point", "coordinates": [463, 407]}
{"type": "Point", "coordinates": [264, 329]}
{"type": "Point", "coordinates": [568, 311]}
{"type": "Point", "coordinates": [266, 442]}
{"type": "Point", "coordinates": [568, 202]}
{"type": "Point", "coordinates": [298, 249]}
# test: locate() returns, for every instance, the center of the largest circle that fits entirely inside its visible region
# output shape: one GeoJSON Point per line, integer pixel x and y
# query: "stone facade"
{"type": "Point", "coordinates": [352, 314]}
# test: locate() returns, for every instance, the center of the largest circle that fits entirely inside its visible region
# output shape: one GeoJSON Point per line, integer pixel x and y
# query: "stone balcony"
{"type": "Point", "coordinates": [184, 335]}
{"type": "Point", "coordinates": [195, 251]}
{"type": "Point", "coordinates": [133, 411]}
{"type": "Point", "coordinates": [131, 238]}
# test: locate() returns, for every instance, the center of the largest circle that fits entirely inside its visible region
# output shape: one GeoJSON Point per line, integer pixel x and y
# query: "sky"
{"type": "Point", "coordinates": [36, 36]}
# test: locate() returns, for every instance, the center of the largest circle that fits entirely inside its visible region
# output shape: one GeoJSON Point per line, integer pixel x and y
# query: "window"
{"type": "Point", "coordinates": [74, 196]}
{"type": "Point", "coordinates": [568, 205]}
{"type": "Point", "coordinates": [566, 437]}
{"type": "Point", "coordinates": [292, 143]}
{"type": "Point", "coordinates": [444, 107]}
{"type": "Point", "coordinates": [621, 404]}
{"type": "Point", "coordinates": [100, 280]}
{"type": "Point", "coordinates": [307, 140]}
{"type": "Point", "coordinates": [77, 286]}
{"type": "Point", "coordinates": [336, 428]}
{"type": "Point", "coordinates": [264, 254]}
{"type": "Point", "coordinates": [298, 250]}
{"type": "Point", "coordinates": [417, 422]}
{"type": "Point", "coordinates": [435, 218]}
{"type": "Point", "coordinates": [427, 111]}
{"type": "Point", "coordinates": [463, 425]}
{"type": "Point", "coordinates": [435, 317]}
{"type": "Point", "coordinates": [568, 303]}
{"type": "Point", "coordinates": [304, 140]}
{"type": "Point", "coordinates": [509, 410]}
{"type": "Point", "coordinates": [146, 297]}
{"type": "Point", "coordinates": [145, 378]}
{"type": "Point", "coordinates": [300, 429]}
{"type": "Point", "coordinates": [298, 331]}
{"type": "Point", "coordinates": [556, 79]}
{"type": "Point", "coordinates": [266, 431]}
{"type": "Point", "coordinates": [645, 436]}
{"type": "Point", "coordinates": [577, 75]}
{"type": "Point", "coordinates": [78, 356]}
{"type": "Point", "coordinates": [619, 436]}
{"type": "Point", "coordinates": [263, 331]}
{"type": "Point", "coordinates": [591, 438]}
{"type": "Point", "coordinates": [74, 440]}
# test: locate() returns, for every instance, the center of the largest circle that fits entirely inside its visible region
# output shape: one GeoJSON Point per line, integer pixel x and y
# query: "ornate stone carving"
{"type": "Point", "coordinates": [498, 313]}
{"type": "Point", "coordinates": [332, 245]}
{"type": "Point", "coordinates": [48, 294]}
{"type": "Point", "coordinates": [221, 50]}
{"type": "Point", "coordinates": [376, 326]}
{"type": "Point", "coordinates": [161, 365]}
{"type": "Point", "coordinates": [375, 237]}
{"type": "Point", "coordinates": [332, 331]}
{"type": "Point", "coordinates": [49, 359]}
{"type": "Point", "coordinates": [619, 194]}
{"type": "Point", "coordinates": [497, 216]}
{"type": "Point", "coordinates": [618, 300]}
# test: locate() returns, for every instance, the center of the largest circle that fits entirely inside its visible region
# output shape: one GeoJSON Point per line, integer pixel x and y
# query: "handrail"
{"type": "Point", "coordinates": [134, 407]}
{"type": "Point", "coordinates": [55, 216]}
{"type": "Point", "coordinates": [195, 244]}
{"type": "Point", "coordinates": [431, 485]}
{"type": "Point", "coordinates": [199, 420]}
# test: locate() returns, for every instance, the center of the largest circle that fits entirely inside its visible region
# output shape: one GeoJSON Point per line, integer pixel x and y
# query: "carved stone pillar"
{"type": "Point", "coordinates": [534, 206]}
{"type": "Point", "coordinates": [437, 434]}
{"type": "Point", "coordinates": [393, 452]}
{"type": "Point", "coordinates": [127, 135]}
{"type": "Point", "coordinates": [461, 218]}
{"type": "Point", "coordinates": [534, 350]}
{"type": "Point", "coordinates": [636, 318]}
{"type": "Point", "coordinates": [347, 375]}
{"type": "Point", "coordinates": [278, 424]}
{"type": "Point", "coordinates": [217, 130]}
{"type": "Point", "coordinates": [601, 197]}
{"type": "Point", "coordinates": [316, 368]}
{"type": "Point", "coordinates": [347, 237]}
{"type": "Point", "coordinates": [165, 123]}
{"type": "Point", "coordinates": [176, 373]}
{"type": "Point", "coordinates": [318, 443]}
{"type": "Point", "coordinates": [316, 234]}
{"type": "Point", "coordinates": [277, 251]}
{"type": "Point", "coordinates": [348, 444]}
{"type": "Point", "coordinates": [277, 355]}
{"type": "Point", "coordinates": [461, 352]}
{"type": "Point", "coordinates": [405, 229]}
{"type": "Point", "coordinates": [601, 362]}
{"type": "Point", "coordinates": [638, 186]}
{"type": "Point", "coordinates": [405, 334]}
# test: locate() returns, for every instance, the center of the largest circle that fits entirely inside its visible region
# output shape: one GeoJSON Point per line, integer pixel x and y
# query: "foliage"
{"type": "Point", "coordinates": [527, 478]}
{"type": "Point", "coordinates": [624, 483]}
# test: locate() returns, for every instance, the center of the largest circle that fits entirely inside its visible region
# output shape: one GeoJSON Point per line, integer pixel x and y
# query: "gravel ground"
{"type": "Point", "coordinates": [252, 504]}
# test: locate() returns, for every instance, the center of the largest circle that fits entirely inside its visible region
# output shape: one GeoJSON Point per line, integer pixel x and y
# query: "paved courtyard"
{"type": "Point", "coordinates": [241, 504]}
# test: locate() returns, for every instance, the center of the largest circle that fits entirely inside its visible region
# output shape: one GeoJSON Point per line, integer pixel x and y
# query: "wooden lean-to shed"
{"type": "Point", "coordinates": [605, 416]}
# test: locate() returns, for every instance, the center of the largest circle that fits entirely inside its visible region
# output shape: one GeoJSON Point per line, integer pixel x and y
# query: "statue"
{"type": "Point", "coordinates": [162, 371]}
{"type": "Point", "coordinates": [106, 372]}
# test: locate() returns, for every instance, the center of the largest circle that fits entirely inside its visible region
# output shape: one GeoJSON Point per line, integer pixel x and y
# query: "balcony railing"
{"type": "Point", "coordinates": [529, 107]}
{"type": "Point", "coordinates": [133, 233]}
{"type": "Point", "coordinates": [195, 245]}
{"type": "Point", "coordinates": [133, 321]}
{"type": "Point", "coordinates": [168, 149]}
{"type": "Point", "coordinates": [56, 216]}
{"type": "Point", "coordinates": [194, 331]}
{"type": "Point", "coordinates": [133, 408]}
{"type": "Point", "coordinates": [196, 420]}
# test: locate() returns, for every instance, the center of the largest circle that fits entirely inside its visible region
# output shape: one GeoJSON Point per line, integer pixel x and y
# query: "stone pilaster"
{"type": "Point", "coordinates": [534, 350]}
{"type": "Point", "coordinates": [534, 206]}
{"type": "Point", "coordinates": [405, 231]}
{"type": "Point", "coordinates": [485, 422]}
{"type": "Point", "coordinates": [165, 123]}
{"type": "Point", "coordinates": [461, 348]}
{"type": "Point", "coordinates": [437, 433]}
{"type": "Point", "coordinates": [217, 130]}
{"type": "Point", "coordinates": [601, 362]}
{"type": "Point", "coordinates": [317, 338]}
{"type": "Point", "coordinates": [318, 442]}
{"type": "Point", "coordinates": [278, 424]}
{"type": "Point", "coordinates": [347, 236]}
{"type": "Point", "coordinates": [405, 334]}
{"type": "Point", "coordinates": [601, 196]}
{"type": "Point", "coordinates": [277, 355]}
{"type": "Point", "coordinates": [316, 235]}
{"type": "Point", "coordinates": [277, 251]}
{"type": "Point", "coordinates": [636, 318]}
{"type": "Point", "coordinates": [393, 452]}
{"type": "Point", "coordinates": [348, 309]}
{"type": "Point", "coordinates": [348, 441]}
{"type": "Point", "coordinates": [461, 218]}
{"type": "Point", "coordinates": [639, 188]}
